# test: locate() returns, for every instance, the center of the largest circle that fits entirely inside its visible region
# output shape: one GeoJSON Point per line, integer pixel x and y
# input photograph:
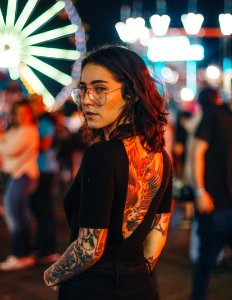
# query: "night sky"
{"type": "Point", "coordinates": [101, 16]}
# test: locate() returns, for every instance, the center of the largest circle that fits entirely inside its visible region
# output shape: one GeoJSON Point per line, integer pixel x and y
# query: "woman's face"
{"type": "Point", "coordinates": [23, 115]}
{"type": "Point", "coordinates": [101, 82]}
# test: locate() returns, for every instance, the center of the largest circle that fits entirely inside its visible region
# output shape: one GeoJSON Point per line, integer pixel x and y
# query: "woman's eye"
{"type": "Point", "coordinates": [99, 90]}
{"type": "Point", "coordinates": [83, 90]}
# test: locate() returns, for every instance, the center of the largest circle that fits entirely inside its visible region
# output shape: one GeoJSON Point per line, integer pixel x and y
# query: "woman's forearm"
{"type": "Point", "coordinates": [156, 239]}
{"type": "Point", "coordinates": [80, 255]}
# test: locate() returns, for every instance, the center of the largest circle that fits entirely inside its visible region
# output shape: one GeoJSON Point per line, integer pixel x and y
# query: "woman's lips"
{"type": "Point", "coordinates": [89, 114]}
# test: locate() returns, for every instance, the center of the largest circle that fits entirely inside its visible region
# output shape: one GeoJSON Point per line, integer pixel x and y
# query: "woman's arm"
{"type": "Point", "coordinates": [80, 255]}
{"type": "Point", "coordinates": [156, 239]}
{"type": "Point", "coordinates": [204, 202]}
{"type": "Point", "coordinates": [15, 142]}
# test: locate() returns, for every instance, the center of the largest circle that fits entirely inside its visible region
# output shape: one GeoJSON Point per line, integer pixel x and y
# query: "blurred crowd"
{"type": "Point", "coordinates": [202, 184]}
{"type": "Point", "coordinates": [39, 156]}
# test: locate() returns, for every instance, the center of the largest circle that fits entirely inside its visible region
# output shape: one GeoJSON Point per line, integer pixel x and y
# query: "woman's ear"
{"type": "Point", "coordinates": [128, 92]}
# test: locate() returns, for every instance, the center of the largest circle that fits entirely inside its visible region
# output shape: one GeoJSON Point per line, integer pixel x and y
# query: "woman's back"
{"type": "Point", "coordinates": [124, 180]}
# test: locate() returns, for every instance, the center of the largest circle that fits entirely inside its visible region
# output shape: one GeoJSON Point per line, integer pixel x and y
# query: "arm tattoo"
{"type": "Point", "coordinates": [79, 256]}
{"type": "Point", "coordinates": [155, 242]}
{"type": "Point", "coordinates": [160, 223]}
{"type": "Point", "coordinates": [152, 261]}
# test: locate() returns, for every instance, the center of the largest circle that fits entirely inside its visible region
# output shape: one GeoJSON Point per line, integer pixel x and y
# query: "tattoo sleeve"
{"type": "Point", "coordinates": [80, 255]}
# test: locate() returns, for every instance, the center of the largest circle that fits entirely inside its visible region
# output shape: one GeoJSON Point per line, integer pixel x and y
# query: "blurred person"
{"type": "Point", "coordinates": [213, 177]}
{"type": "Point", "coordinates": [182, 189]}
{"type": "Point", "coordinates": [207, 99]}
{"type": "Point", "coordinates": [64, 151]}
{"type": "Point", "coordinates": [180, 143]}
{"type": "Point", "coordinates": [19, 148]}
{"type": "Point", "coordinates": [42, 200]}
{"type": "Point", "coordinates": [118, 206]}
{"type": "Point", "coordinates": [12, 94]}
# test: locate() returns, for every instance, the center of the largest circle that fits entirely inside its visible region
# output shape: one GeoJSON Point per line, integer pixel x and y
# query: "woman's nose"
{"type": "Point", "coordinates": [88, 99]}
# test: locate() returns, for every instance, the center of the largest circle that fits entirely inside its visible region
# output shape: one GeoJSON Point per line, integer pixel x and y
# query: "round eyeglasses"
{"type": "Point", "coordinates": [97, 96]}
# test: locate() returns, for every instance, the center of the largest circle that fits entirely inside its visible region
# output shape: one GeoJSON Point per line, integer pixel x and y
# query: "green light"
{"type": "Point", "coordinates": [25, 14]}
{"type": "Point", "coordinates": [48, 99]}
{"type": "Point", "coordinates": [2, 23]}
{"type": "Point", "coordinates": [11, 9]}
{"type": "Point", "coordinates": [53, 52]}
{"type": "Point", "coordinates": [48, 70]}
{"type": "Point", "coordinates": [14, 73]}
{"type": "Point", "coordinates": [42, 19]}
{"type": "Point", "coordinates": [32, 79]}
{"type": "Point", "coordinates": [51, 34]}
{"type": "Point", "coordinates": [19, 52]}
{"type": "Point", "coordinates": [37, 85]}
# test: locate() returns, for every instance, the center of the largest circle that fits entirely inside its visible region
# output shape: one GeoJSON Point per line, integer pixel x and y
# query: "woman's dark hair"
{"type": "Point", "coordinates": [16, 105]}
{"type": "Point", "coordinates": [144, 113]}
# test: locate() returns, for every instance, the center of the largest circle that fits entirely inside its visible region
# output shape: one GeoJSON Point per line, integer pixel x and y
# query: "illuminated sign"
{"type": "Point", "coordinates": [174, 49]}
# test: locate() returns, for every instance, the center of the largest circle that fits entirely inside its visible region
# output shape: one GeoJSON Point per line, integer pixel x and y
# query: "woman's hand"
{"type": "Point", "coordinates": [55, 288]}
{"type": "Point", "coordinates": [46, 278]}
{"type": "Point", "coordinates": [78, 257]}
{"type": "Point", "coordinates": [49, 284]}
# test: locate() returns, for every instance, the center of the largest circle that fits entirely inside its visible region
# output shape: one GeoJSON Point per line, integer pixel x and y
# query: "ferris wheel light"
{"type": "Point", "coordinates": [48, 99]}
{"type": "Point", "coordinates": [48, 70]}
{"type": "Point", "coordinates": [14, 73]}
{"type": "Point", "coordinates": [53, 52]}
{"type": "Point", "coordinates": [51, 34]}
{"type": "Point", "coordinates": [9, 58]}
{"type": "Point", "coordinates": [42, 19]}
{"type": "Point", "coordinates": [37, 86]}
{"type": "Point", "coordinates": [11, 10]}
{"type": "Point", "coordinates": [25, 14]}
{"type": "Point", "coordinates": [20, 54]}
{"type": "Point", "coordinates": [2, 23]}
{"type": "Point", "coordinates": [28, 75]}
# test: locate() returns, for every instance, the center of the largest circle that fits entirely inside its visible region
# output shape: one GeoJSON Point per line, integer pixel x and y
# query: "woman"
{"type": "Point", "coordinates": [19, 148]}
{"type": "Point", "coordinates": [118, 206]}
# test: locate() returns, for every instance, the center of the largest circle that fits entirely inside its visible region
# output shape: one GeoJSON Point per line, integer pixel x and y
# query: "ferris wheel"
{"type": "Point", "coordinates": [42, 43]}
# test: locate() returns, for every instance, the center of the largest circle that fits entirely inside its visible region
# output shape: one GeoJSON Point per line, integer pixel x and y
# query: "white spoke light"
{"type": "Point", "coordinates": [18, 50]}
{"type": "Point", "coordinates": [2, 23]}
{"type": "Point", "coordinates": [51, 34]}
{"type": "Point", "coordinates": [25, 14]}
{"type": "Point", "coordinates": [11, 10]}
{"type": "Point", "coordinates": [41, 20]}
{"type": "Point", "coordinates": [54, 52]}
{"type": "Point", "coordinates": [47, 70]}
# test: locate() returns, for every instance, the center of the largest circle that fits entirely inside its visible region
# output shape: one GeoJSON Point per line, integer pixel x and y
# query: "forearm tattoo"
{"type": "Point", "coordinates": [79, 256]}
{"type": "Point", "coordinates": [160, 223]}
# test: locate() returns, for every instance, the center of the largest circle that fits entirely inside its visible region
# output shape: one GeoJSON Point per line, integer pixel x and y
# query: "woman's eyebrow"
{"type": "Point", "coordinates": [94, 82]}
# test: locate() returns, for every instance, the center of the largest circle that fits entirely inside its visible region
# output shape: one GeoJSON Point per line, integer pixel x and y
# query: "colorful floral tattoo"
{"type": "Point", "coordinates": [145, 175]}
